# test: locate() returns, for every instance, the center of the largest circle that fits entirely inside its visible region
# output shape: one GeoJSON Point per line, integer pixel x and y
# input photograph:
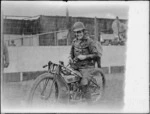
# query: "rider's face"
{"type": "Point", "coordinates": [79, 34]}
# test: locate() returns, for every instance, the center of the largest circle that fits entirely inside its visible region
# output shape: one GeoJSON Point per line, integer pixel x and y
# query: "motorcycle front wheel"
{"type": "Point", "coordinates": [44, 91]}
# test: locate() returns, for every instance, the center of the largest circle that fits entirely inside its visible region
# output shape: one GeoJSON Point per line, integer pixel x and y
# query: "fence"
{"type": "Point", "coordinates": [44, 39]}
{"type": "Point", "coordinates": [56, 38]}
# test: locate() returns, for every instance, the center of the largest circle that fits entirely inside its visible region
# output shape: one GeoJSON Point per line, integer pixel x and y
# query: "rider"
{"type": "Point", "coordinates": [84, 53]}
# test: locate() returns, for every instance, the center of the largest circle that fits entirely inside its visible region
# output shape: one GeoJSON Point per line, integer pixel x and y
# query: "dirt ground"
{"type": "Point", "coordinates": [15, 94]}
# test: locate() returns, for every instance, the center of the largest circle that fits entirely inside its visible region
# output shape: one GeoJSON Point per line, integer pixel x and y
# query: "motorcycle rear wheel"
{"type": "Point", "coordinates": [96, 87]}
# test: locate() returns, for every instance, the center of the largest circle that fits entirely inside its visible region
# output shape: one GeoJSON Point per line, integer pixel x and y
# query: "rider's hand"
{"type": "Point", "coordinates": [81, 57]}
{"type": "Point", "coordinates": [70, 61]}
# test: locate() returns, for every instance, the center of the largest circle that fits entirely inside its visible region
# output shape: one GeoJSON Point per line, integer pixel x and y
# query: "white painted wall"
{"type": "Point", "coordinates": [33, 58]}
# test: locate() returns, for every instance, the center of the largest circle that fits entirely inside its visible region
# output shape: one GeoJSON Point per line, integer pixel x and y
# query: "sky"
{"type": "Point", "coordinates": [76, 9]}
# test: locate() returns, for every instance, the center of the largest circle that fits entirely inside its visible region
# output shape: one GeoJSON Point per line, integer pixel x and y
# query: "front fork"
{"type": "Point", "coordinates": [44, 88]}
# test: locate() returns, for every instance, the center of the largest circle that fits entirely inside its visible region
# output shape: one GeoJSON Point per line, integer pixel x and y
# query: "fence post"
{"type": "Point", "coordinates": [68, 19]}
{"type": "Point", "coordinates": [55, 36]}
{"type": "Point", "coordinates": [22, 39]}
{"type": "Point", "coordinates": [95, 29]}
{"type": "Point", "coordinates": [2, 45]}
{"type": "Point", "coordinates": [97, 37]}
{"type": "Point", "coordinates": [32, 40]}
{"type": "Point", "coordinates": [68, 36]}
{"type": "Point", "coordinates": [21, 76]}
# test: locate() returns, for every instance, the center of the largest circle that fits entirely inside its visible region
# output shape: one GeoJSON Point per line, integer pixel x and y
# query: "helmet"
{"type": "Point", "coordinates": [78, 26]}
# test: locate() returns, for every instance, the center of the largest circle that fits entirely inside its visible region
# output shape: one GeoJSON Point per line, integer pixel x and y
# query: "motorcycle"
{"type": "Point", "coordinates": [46, 88]}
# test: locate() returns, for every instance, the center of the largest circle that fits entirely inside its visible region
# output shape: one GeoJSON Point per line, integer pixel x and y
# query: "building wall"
{"type": "Point", "coordinates": [13, 26]}
{"type": "Point", "coordinates": [27, 27]}
{"type": "Point", "coordinates": [54, 23]}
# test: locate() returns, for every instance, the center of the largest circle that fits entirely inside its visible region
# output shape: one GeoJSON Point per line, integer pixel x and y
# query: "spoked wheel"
{"type": "Point", "coordinates": [96, 87]}
{"type": "Point", "coordinates": [44, 91]}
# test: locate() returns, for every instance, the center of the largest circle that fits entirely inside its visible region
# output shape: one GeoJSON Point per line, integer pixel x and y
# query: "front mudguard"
{"type": "Point", "coordinates": [63, 96]}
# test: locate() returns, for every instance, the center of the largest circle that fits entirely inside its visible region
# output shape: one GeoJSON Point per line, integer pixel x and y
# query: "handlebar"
{"type": "Point", "coordinates": [62, 65]}
{"type": "Point", "coordinates": [49, 63]}
{"type": "Point", "coordinates": [73, 60]}
{"type": "Point", "coordinates": [45, 66]}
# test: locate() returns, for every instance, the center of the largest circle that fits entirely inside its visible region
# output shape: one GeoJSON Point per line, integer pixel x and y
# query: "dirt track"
{"type": "Point", "coordinates": [16, 93]}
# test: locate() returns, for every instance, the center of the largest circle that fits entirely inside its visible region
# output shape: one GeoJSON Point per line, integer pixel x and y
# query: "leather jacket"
{"type": "Point", "coordinates": [87, 47]}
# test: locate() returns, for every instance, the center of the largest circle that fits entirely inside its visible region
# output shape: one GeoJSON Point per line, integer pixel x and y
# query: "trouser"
{"type": "Point", "coordinates": [87, 74]}
{"type": "Point", "coordinates": [98, 62]}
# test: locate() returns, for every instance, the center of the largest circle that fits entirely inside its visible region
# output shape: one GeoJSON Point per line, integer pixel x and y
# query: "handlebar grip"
{"type": "Point", "coordinates": [45, 66]}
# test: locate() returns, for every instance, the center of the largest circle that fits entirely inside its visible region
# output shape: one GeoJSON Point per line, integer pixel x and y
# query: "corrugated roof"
{"type": "Point", "coordinates": [32, 18]}
{"type": "Point", "coordinates": [22, 17]}
{"type": "Point", "coordinates": [36, 17]}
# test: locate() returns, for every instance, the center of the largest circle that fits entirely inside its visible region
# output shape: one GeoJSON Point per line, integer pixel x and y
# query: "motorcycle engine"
{"type": "Point", "coordinates": [71, 78]}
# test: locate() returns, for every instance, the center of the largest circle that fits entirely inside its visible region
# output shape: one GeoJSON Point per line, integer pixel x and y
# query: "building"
{"type": "Point", "coordinates": [43, 30]}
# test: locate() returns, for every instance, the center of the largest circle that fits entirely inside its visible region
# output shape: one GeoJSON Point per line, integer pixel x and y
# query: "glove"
{"type": "Point", "coordinates": [81, 57]}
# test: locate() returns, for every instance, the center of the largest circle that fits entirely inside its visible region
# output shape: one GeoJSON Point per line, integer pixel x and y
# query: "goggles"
{"type": "Point", "coordinates": [78, 32]}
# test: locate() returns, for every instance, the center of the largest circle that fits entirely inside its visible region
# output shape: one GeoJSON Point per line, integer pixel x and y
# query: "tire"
{"type": "Point", "coordinates": [97, 87]}
{"type": "Point", "coordinates": [46, 86]}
